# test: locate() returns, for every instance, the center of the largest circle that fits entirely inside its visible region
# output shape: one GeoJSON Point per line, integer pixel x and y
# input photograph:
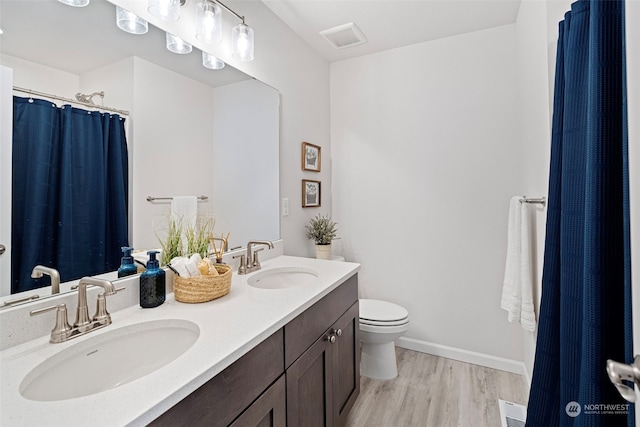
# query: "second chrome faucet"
{"type": "Point", "coordinates": [250, 262]}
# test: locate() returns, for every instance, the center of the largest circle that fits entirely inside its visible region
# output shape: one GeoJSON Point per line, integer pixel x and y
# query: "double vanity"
{"type": "Point", "coordinates": [280, 349]}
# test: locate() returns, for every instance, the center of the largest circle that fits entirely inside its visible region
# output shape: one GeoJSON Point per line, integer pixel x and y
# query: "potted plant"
{"type": "Point", "coordinates": [322, 230]}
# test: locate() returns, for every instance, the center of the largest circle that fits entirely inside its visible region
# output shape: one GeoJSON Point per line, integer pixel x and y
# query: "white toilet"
{"type": "Point", "coordinates": [381, 323]}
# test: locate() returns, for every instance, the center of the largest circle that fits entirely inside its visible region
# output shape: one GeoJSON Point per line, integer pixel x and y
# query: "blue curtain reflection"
{"type": "Point", "coordinates": [70, 191]}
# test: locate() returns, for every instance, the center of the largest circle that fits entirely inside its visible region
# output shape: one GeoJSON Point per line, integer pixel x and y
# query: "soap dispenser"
{"type": "Point", "coordinates": [152, 283]}
{"type": "Point", "coordinates": [127, 267]}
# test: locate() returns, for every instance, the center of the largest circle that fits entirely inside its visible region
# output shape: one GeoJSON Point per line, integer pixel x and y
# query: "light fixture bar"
{"type": "Point", "coordinates": [229, 10]}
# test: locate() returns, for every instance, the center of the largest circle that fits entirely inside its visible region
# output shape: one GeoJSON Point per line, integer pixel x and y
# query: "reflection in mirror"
{"type": "Point", "coordinates": [191, 130]}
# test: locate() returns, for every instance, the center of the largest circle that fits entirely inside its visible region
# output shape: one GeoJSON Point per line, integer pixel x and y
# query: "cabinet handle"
{"type": "Point", "coordinates": [331, 339]}
{"type": "Point", "coordinates": [339, 332]}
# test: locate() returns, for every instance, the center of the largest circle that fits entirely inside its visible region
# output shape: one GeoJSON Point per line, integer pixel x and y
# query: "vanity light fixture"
{"type": "Point", "coordinates": [130, 22]}
{"type": "Point", "coordinates": [208, 22]}
{"type": "Point", "coordinates": [208, 27]}
{"type": "Point", "coordinates": [76, 3]}
{"type": "Point", "coordinates": [241, 35]}
{"type": "Point", "coordinates": [167, 10]}
{"type": "Point", "coordinates": [177, 45]}
{"type": "Point", "coordinates": [211, 62]}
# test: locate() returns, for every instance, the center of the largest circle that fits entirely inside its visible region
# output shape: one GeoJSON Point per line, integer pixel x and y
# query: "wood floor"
{"type": "Point", "coordinates": [433, 391]}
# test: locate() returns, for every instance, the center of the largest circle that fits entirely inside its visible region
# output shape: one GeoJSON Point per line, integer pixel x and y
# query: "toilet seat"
{"type": "Point", "coordinates": [382, 313]}
{"type": "Point", "coordinates": [384, 324]}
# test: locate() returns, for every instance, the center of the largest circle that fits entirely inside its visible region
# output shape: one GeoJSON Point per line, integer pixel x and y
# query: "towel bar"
{"type": "Point", "coordinates": [152, 199]}
{"type": "Point", "coordinates": [537, 201]}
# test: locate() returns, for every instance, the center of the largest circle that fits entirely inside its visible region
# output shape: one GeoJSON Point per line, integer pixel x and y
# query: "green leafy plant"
{"type": "Point", "coordinates": [172, 244]}
{"type": "Point", "coordinates": [322, 230]}
{"type": "Point", "coordinates": [186, 240]}
{"type": "Point", "coordinates": [198, 236]}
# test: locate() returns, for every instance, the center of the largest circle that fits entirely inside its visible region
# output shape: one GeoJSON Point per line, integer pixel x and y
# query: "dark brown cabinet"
{"type": "Point", "coordinates": [306, 374]}
{"type": "Point", "coordinates": [269, 410]}
{"type": "Point", "coordinates": [324, 382]}
{"type": "Point", "coordinates": [227, 395]}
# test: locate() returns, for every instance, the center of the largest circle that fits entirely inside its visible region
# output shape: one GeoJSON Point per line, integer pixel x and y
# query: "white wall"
{"type": "Point", "coordinates": [534, 135]}
{"type": "Point", "coordinates": [245, 163]}
{"type": "Point", "coordinates": [164, 167]}
{"type": "Point", "coordinates": [30, 75]}
{"type": "Point", "coordinates": [425, 159]}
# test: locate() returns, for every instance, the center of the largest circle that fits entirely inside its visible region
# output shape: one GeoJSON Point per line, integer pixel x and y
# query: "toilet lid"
{"type": "Point", "coordinates": [372, 310]}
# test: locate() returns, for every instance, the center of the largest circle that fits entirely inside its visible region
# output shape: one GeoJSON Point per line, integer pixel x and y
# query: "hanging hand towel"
{"type": "Point", "coordinates": [184, 209]}
{"type": "Point", "coordinates": [517, 291]}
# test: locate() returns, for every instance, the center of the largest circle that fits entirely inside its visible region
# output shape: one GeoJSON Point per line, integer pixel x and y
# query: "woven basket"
{"type": "Point", "coordinates": [196, 289]}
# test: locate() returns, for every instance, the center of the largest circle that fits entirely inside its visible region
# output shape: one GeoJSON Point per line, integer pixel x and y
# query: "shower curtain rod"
{"type": "Point", "coordinates": [74, 101]}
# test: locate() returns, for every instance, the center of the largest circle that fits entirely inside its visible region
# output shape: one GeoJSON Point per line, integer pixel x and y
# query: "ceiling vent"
{"type": "Point", "coordinates": [342, 36]}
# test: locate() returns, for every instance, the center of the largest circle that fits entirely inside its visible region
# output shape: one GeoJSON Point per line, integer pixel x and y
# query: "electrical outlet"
{"type": "Point", "coordinates": [285, 206]}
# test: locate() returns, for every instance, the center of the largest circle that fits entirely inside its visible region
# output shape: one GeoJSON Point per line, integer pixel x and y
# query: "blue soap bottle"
{"type": "Point", "coordinates": [152, 283]}
{"type": "Point", "coordinates": [127, 267]}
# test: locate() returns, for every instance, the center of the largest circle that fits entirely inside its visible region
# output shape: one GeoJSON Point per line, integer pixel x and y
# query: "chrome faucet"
{"type": "Point", "coordinates": [252, 261]}
{"type": "Point", "coordinates": [83, 324]}
{"type": "Point", "coordinates": [39, 270]}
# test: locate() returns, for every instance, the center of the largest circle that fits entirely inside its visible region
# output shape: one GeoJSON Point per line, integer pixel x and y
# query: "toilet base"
{"type": "Point", "coordinates": [378, 361]}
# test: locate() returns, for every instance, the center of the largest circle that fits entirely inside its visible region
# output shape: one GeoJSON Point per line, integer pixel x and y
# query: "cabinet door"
{"type": "Point", "coordinates": [309, 387]}
{"type": "Point", "coordinates": [346, 364]}
{"type": "Point", "coordinates": [221, 399]}
{"type": "Point", "coordinates": [269, 410]}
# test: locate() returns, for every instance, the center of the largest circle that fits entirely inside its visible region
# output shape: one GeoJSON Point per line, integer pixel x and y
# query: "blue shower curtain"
{"type": "Point", "coordinates": [70, 191]}
{"type": "Point", "coordinates": [585, 314]}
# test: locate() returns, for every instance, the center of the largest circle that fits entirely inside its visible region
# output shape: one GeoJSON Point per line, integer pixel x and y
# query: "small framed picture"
{"type": "Point", "coordinates": [310, 157]}
{"type": "Point", "coordinates": [310, 194]}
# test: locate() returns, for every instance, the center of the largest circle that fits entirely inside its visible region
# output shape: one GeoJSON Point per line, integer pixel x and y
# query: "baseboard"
{"type": "Point", "coordinates": [481, 359]}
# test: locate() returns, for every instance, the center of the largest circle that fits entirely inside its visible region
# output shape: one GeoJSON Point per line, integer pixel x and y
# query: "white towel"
{"type": "Point", "coordinates": [517, 291]}
{"type": "Point", "coordinates": [184, 210]}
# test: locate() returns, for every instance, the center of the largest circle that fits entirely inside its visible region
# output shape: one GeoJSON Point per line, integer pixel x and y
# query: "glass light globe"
{"type": "Point", "coordinates": [208, 22]}
{"type": "Point", "coordinates": [211, 62]}
{"type": "Point", "coordinates": [130, 22]}
{"type": "Point", "coordinates": [242, 42]}
{"type": "Point", "coordinates": [177, 45]}
{"type": "Point", "coordinates": [167, 10]}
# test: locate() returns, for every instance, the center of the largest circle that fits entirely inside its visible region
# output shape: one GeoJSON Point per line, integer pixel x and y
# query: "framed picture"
{"type": "Point", "coordinates": [310, 157]}
{"type": "Point", "coordinates": [310, 194]}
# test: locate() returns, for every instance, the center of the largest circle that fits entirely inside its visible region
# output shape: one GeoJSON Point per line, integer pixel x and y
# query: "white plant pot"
{"type": "Point", "coordinates": [323, 251]}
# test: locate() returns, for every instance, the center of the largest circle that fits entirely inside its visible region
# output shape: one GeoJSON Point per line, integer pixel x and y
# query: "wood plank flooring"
{"type": "Point", "coordinates": [433, 391]}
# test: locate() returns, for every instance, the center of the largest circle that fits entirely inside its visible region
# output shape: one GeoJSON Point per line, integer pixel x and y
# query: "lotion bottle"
{"type": "Point", "coordinates": [152, 283]}
{"type": "Point", "coordinates": [127, 267]}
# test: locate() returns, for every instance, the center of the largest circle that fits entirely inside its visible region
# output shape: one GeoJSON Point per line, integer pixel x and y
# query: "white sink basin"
{"type": "Point", "coordinates": [283, 277]}
{"type": "Point", "coordinates": [109, 360]}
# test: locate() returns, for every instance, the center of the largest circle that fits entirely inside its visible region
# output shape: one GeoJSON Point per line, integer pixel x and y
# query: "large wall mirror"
{"type": "Point", "coordinates": [191, 130]}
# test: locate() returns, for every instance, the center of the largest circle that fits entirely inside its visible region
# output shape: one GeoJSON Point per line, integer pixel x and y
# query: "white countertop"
{"type": "Point", "coordinates": [229, 327]}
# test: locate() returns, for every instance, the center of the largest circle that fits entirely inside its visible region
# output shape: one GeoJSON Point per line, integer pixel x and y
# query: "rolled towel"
{"type": "Point", "coordinates": [192, 268]}
{"type": "Point", "coordinates": [179, 264]}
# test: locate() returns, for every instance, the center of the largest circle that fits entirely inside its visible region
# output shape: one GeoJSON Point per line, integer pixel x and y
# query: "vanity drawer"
{"type": "Point", "coordinates": [304, 330]}
{"type": "Point", "coordinates": [225, 396]}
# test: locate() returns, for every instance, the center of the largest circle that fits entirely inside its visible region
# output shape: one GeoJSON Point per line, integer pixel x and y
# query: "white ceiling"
{"type": "Point", "coordinates": [78, 40]}
{"type": "Point", "coordinates": [389, 24]}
